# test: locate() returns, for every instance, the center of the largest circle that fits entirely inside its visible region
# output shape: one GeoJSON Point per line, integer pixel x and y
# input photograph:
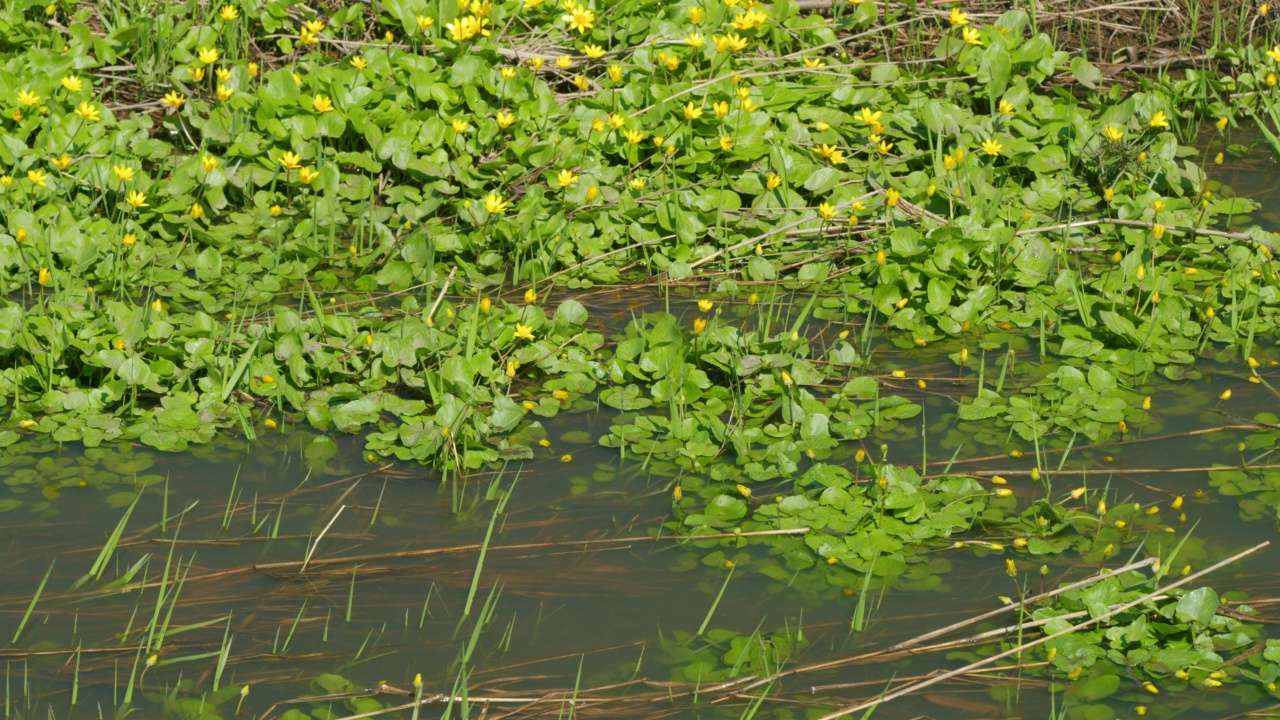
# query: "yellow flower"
{"type": "Point", "coordinates": [290, 160]}
{"type": "Point", "coordinates": [44, 276]}
{"type": "Point", "coordinates": [62, 163]}
{"type": "Point", "coordinates": [566, 178]}
{"type": "Point", "coordinates": [321, 104]}
{"type": "Point", "coordinates": [1010, 568]}
{"type": "Point", "coordinates": [695, 14]}
{"type": "Point", "coordinates": [123, 173]}
{"type": "Point", "coordinates": [866, 117]}
{"type": "Point", "coordinates": [1108, 194]}
{"type": "Point", "coordinates": [174, 99]}
{"type": "Point", "coordinates": [505, 119]}
{"type": "Point", "coordinates": [196, 211]}
{"type": "Point", "coordinates": [695, 40]}
{"type": "Point", "coordinates": [737, 43]}
{"type": "Point", "coordinates": [566, 458]}
{"type": "Point", "coordinates": [229, 13]}
{"type": "Point", "coordinates": [1112, 133]}
{"type": "Point", "coordinates": [1157, 230]}
{"type": "Point", "coordinates": [72, 83]}
{"type": "Point", "coordinates": [156, 305]}
{"type": "Point", "coordinates": [465, 28]}
{"type": "Point", "coordinates": [638, 183]}
{"type": "Point", "coordinates": [306, 175]}
{"type": "Point", "coordinates": [721, 42]}
{"type": "Point", "coordinates": [615, 73]}
{"type": "Point", "coordinates": [593, 192]}
{"type": "Point", "coordinates": [884, 147]}
{"type": "Point", "coordinates": [581, 19]}
{"type": "Point", "coordinates": [208, 56]}
{"type": "Point", "coordinates": [524, 332]}
{"type": "Point", "coordinates": [425, 23]}
{"type": "Point", "coordinates": [691, 112]}
{"type": "Point", "coordinates": [773, 182]}
{"type": "Point", "coordinates": [827, 211]}
{"type": "Point", "coordinates": [87, 111]}
{"type": "Point", "coordinates": [224, 75]}
{"type": "Point", "coordinates": [992, 147]}
{"type": "Point", "coordinates": [1273, 53]}
{"type": "Point", "coordinates": [359, 63]}
{"type": "Point", "coordinates": [971, 35]}
{"type": "Point", "coordinates": [633, 136]}
{"type": "Point", "coordinates": [460, 125]}
{"type": "Point", "coordinates": [530, 296]}
{"type": "Point", "coordinates": [225, 93]}
{"type": "Point", "coordinates": [581, 82]}
{"type": "Point", "coordinates": [750, 19]}
{"type": "Point", "coordinates": [1271, 79]}
{"type": "Point", "coordinates": [891, 197]}
{"type": "Point", "coordinates": [129, 240]}
{"type": "Point", "coordinates": [595, 52]}
{"type": "Point", "coordinates": [1226, 394]}
{"type": "Point", "coordinates": [26, 97]}
{"type": "Point", "coordinates": [197, 74]}
{"type": "Point", "coordinates": [276, 210]}
{"type": "Point", "coordinates": [813, 62]}
{"type": "Point", "coordinates": [726, 142]}
{"type": "Point", "coordinates": [721, 109]}
{"type": "Point", "coordinates": [20, 236]}
{"type": "Point", "coordinates": [507, 73]}
{"type": "Point", "coordinates": [1159, 120]}
{"type": "Point", "coordinates": [563, 62]}
{"type": "Point", "coordinates": [699, 325]}
{"type": "Point", "coordinates": [253, 69]}
{"type": "Point", "coordinates": [136, 199]}
{"type": "Point", "coordinates": [597, 125]}
{"type": "Point", "coordinates": [958, 17]}
{"type": "Point", "coordinates": [1006, 108]}
{"type": "Point", "coordinates": [1222, 123]}
{"type": "Point", "coordinates": [208, 162]}
{"type": "Point", "coordinates": [1264, 8]}
{"type": "Point", "coordinates": [37, 177]}
{"type": "Point", "coordinates": [705, 305]}
{"type": "Point", "coordinates": [494, 203]}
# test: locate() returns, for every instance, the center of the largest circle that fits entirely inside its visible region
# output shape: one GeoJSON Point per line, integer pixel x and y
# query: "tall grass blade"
{"type": "Point", "coordinates": [32, 606]}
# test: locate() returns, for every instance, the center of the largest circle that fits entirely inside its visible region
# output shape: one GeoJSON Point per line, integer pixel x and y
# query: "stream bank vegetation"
{"type": "Point", "coordinates": [858, 291]}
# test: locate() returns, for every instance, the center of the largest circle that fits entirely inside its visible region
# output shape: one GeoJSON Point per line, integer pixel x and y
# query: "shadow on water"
{"type": "Point", "coordinates": [176, 582]}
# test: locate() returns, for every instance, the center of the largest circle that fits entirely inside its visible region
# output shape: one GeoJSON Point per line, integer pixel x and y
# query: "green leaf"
{"type": "Point", "coordinates": [1097, 688]}
{"type": "Point", "coordinates": [1085, 73]}
{"type": "Point", "coordinates": [1198, 606]}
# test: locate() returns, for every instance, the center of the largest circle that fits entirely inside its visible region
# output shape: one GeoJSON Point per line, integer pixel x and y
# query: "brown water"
{"type": "Point", "coordinates": [564, 608]}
